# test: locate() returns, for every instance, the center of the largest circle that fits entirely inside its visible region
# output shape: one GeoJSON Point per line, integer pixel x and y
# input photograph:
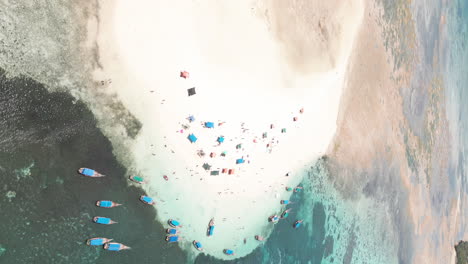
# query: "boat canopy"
{"type": "Point", "coordinates": [88, 172]}
{"type": "Point", "coordinates": [172, 231]}
{"type": "Point", "coordinates": [173, 239]}
{"type": "Point", "coordinates": [137, 178]}
{"type": "Point", "coordinates": [210, 230]}
{"type": "Point", "coordinates": [209, 124]}
{"type": "Point", "coordinates": [96, 242]}
{"type": "Point", "coordinates": [147, 199]}
{"type": "Point", "coordinates": [191, 91]}
{"type": "Point", "coordinates": [214, 173]}
{"type": "Point", "coordinates": [240, 161]}
{"type": "Point", "coordinates": [113, 246]}
{"type": "Point", "coordinates": [228, 251]}
{"type": "Point", "coordinates": [192, 138]}
{"type": "Point", "coordinates": [103, 220]}
{"type": "Point", "coordinates": [105, 203]}
{"type": "Point", "coordinates": [174, 222]}
{"type": "Point", "coordinates": [198, 244]}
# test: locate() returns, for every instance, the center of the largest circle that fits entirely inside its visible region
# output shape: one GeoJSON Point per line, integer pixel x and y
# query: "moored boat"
{"type": "Point", "coordinates": [259, 238]}
{"type": "Point", "coordinates": [107, 204]}
{"type": "Point", "coordinates": [114, 246]}
{"type": "Point", "coordinates": [297, 224]}
{"type": "Point", "coordinates": [147, 200]}
{"type": "Point", "coordinates": [103, 220]}
{"type": "Point", "coordinates": [210, 230]}
{"type": "Point", "coordinates": [172, 239]}
{"type": "Point", "coordinates": [90, 173]}
{"type": "Point", "coordinates": [137, 179]}
{"type": "Point", "coordinates": [273, 218]}
{"type": "Point", "coordinates": [174, 223]}
{"type": "Point", "coordinates": [172, 231]}
{"type": "Point", "coordinates": [197, 245]}
{"type": "Point", "coordinates": [97, 241]}
{"type": "Point", "coordinates": [228, 252]}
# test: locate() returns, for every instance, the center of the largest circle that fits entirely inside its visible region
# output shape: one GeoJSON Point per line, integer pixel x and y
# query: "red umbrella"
{"type": "Point", "coordinates": [184, 74]}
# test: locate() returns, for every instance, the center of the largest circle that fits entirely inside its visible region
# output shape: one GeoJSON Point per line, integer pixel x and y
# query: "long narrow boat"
{"type": "Point", "coordinates": [147, 200]}
{"type": "Point", "coordinates": [172, 239]}
{"type": "Point", "coordinates": [229, 252]}
{"type": "Point", "coordinates": [107, 204]}
{"type": "Point", "coordinates": [172, 231]}
{"type": "Point", "coordinates": [197, 245]}
{"type": "Point", "coordinates": [98, 241]}
{"type": "Point", "coordinates": [90, 173]}
{"type": "Point", "coordinates": [114, 246]}
{"type": "Point", "coordinates": [174, 223]}
{"type": "Point", "coordinates": [137, 179]}
{"type": "Point", "coordinates": [211, 226]}
{"type": "Point", "coordinates": [103, 220]}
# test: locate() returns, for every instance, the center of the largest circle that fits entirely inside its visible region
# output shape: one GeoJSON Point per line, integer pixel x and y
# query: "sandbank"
{"type": "Point", "coordinates": [244, 80]}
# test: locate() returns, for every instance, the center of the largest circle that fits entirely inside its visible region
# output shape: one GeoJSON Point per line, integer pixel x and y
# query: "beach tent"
{"type": "Point", "coordinates": [265, 135]}
{"type": "Point", "coordinates": [209, 124]}
{"type": "Point", "coordinates": [224, 170]}
{"type": "Point", "coordinates": [240, 161]}
{"type": "Point", "coordinates": [191, 91]}
{"type": "Point", "coordinates": [184, 74]}
{"type": "Point", "coordinates": [192, 138]}
{"type": "Point", "coordinates": [214, 173]}
{"type": "Point", "coordinates": [221, 139]}
{"type": "Point", "coordinates": [283, 130]}
{"type": "Point", "coordinates": [231, 171]}
{"type": "Point", "coordinates": [223, 154]}
{"type": "Point", "coordinates": [212, 155]}
{"type": "Point", "coordinates": [239, 146]}
{"type": "Point", "coordinates": [191, 118]}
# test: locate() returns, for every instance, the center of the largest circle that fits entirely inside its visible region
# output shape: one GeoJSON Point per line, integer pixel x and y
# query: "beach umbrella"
{"type": "Point", "coordinates": [209, 124]}
{"type": "Point", "coordinates": [191, 91]}
{"type": "Point", "coordinates": [221, 139]}
{"type": "Point", "coordinates": [184, 74]}
{"type": "Point", "coordinates": [206, 166]}
{"type": "Point", "coordinates": [192, 138]}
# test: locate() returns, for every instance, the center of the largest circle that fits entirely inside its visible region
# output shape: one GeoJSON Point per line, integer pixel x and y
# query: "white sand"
{"type": "Point", "coordinates": [241, 76]}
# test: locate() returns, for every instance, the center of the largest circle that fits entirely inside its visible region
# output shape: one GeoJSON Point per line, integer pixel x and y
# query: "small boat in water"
{"type": "Point", "coordinates": [285, 213]}
{"type": "Point", "coordinates": [210, 230]}
{"type": "Point", "coordinates": [284, 201]}
{"type": "Point", "coordinates": [136, 179]}
{"type": "Point", "coordinates": [114, 246]}
{"type": "Point", "coordinates": [172, 231]}
{"type": "Point", "coordinates": [273, 218]}
{"type": "Point", "coordinates": [147, 200]}
{"type": "Point", "coordinates": [107, 204]}
{"type": "Point", "coordinates": [298, 223]}
{"type": "Point", "coordinates": [174, 223]}
{"type": "Point", "coordinates": [103, 220]}
{"type": "Point", "coordinates": [90, 173]}
{"type": "Point", "coordinates": [197, 245]}
{"type": "Point", "coordinates": [259, 238]}
{"type": "Point", "coordinates": [228, 252]}
{"type": "Point", "coordinates": [172, 239]}
{"type": "Point", "coordinates": [97, 241]}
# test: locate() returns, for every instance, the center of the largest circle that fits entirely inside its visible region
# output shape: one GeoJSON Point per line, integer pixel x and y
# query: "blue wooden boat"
{"type": "Point", "coordinates": [174, 223]}
{"type": "Point", "coordinates": [90, 173]}
{"type": "Point", "coordinates": [107, 204]}
{"type": "Point", "coordinates": [197, 245]}
{"type": "Point", "coordinates": [147, 200]}
{"type": "Point", "coordinates": [172, 231]}
{"type": "Point", "coordinates": [97, 241]}
{"type": "Point", "coordinates": [228, 252]}
{"type": "Point", "coordinates": [114, 246]}
{"type": "Point", "coordinates": [172, 239]}
{"type": "Point", "coordinates": [103, 220]}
